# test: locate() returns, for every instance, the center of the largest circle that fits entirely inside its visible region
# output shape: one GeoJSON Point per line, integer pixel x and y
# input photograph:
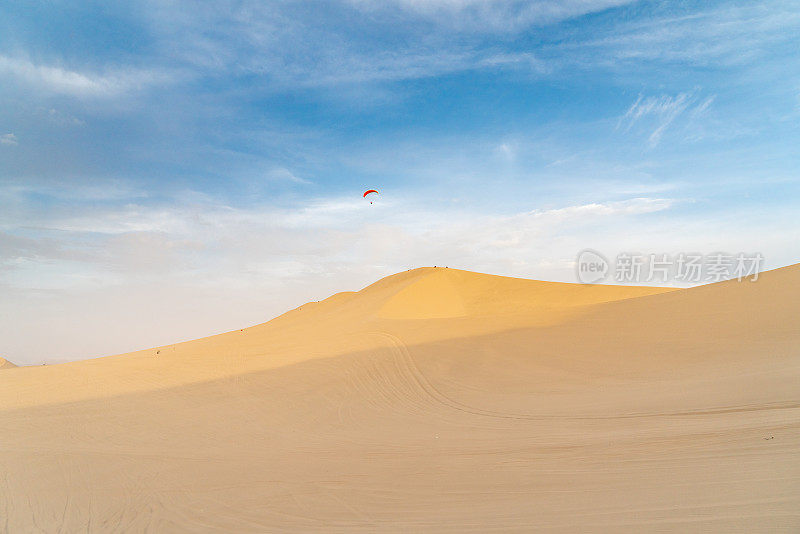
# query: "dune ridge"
{"type": "Point", "coordinates": [434, 399]}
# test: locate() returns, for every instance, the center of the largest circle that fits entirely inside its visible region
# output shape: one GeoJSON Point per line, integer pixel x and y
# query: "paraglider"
{"type": "Point", "coordinates": [368, 192]}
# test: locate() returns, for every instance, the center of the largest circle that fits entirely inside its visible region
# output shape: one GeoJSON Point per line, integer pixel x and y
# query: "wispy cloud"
{"type": "Point", "coordinates": [72, 82]}
{"type": "Point", "coordinates": [282, 173]}
{"type": "Point", "coordinates": [289, 47]}
{"type": "Point", "coordinates": [60, 118]}
{"type": "Point", "coordinates": [326, 227]}
{"type": "Point", "coordinates": [720, 36]}
{"type": "Point", "coordinates": [662, 111]}
{"type": "Point", "coordinates": [8, 139]}
{"type": "Point", "coordinates": [492, 15]}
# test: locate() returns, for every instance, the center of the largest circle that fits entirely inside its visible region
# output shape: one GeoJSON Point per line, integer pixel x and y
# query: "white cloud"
{"type": "Point", "coordinates": [703, 106]}
{"type": "Point", "coordinates": [291, 50]}
{"type": "Point", "coordinates": [723, 36]}
{"type": "Point", "coordinates": [663, 111]}
{"type": "Point", "coordinates": [506, 150]}
{"type": "Point", "coordinates": [61, 118]}
{"type": "Point", "coordinates": [281, 173]}
{"type": "Point", "coordinates": [323, 231]}
{"type": "Point", "coordinates": [8, 139]}
{"type": "Point", "coordinates": [493, 15]}
{"type": "Point", "coordinates": [61, 80]}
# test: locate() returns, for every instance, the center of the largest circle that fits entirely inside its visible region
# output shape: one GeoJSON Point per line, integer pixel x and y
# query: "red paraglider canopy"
{"type": "Point", "coordinates": [368, 192]}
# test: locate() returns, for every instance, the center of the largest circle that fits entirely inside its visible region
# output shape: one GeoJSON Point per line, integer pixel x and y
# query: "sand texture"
{"type": "Point", "coordinates": [435, 400]}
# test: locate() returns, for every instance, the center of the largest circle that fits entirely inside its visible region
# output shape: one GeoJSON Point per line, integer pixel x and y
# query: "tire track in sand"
{"type": "Point", "coordinates": [406, 361]}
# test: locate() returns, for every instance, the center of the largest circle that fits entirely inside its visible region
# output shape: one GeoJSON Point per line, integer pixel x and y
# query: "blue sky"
{"type": "Point", "coordinates": [169, 170]}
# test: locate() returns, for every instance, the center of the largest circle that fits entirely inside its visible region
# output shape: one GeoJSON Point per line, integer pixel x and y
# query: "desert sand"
{"type": "Point", "coordinates": [433, 400]}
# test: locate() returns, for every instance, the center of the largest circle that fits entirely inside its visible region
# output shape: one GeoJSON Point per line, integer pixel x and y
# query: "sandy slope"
{"type": "Point", "coordinates": [5, 364]}
{"type": "Point", "coordinates": [433, 400]}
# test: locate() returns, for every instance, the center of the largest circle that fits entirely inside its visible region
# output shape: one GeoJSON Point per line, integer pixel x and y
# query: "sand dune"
{"type": "Point", "coordinates": [5, 364]}
{"type": "Point", "coordinates": [432, 400]}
